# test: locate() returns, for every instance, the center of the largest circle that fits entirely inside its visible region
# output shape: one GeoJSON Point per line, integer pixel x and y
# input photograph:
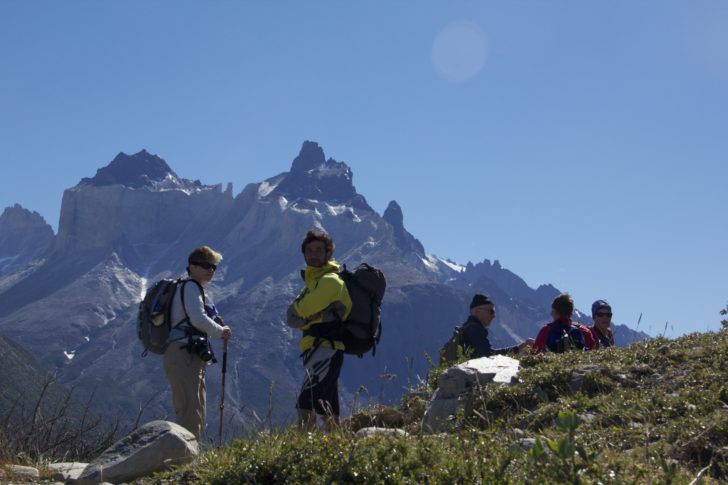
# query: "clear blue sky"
{"type": "Point", "coordinates": [583, 144]}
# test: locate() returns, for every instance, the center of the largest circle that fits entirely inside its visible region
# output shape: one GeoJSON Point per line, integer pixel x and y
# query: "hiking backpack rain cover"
{"type": "Point", "coordinates": [450, 351]}
{"type": "Point", "coordinates": [155, 317]}
{"type": "Point", "coordinates": [362, 330]}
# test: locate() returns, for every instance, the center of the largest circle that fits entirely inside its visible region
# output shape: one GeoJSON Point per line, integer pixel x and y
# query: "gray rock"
{"type": "Point", "coordinates": [457, 385]}
{"type": "Point", "coordinates": [587, 417]}
{"type": "Point", "coordinates": [577, 383]}
{"type": "Point", "coordinates": [577, 379]}
{"type": "Point", "coordinates": [583, 369]}
{"type": "Point", "coordinates": [67, 470]}
{"type": "Point", "coordinates": [542, 395]}
{"type": "Point", "coordinates": [22, 472]}
{"type": "Point", "coordinates": [439, 414]}
{"type": "Point", "coordinates": [154, 447]}
{"type": "Point", "coordinates": [524, 444]}
{"type": "Point", "coordinates": [373, 431]}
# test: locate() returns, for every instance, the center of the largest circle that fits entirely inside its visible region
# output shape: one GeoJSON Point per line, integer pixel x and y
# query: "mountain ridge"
{"type": "Point", "coordinates": [113, 240]}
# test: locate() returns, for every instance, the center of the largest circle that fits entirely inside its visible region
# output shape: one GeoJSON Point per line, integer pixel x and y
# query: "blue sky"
{"type": "Point", "coordinates": [582, 144]}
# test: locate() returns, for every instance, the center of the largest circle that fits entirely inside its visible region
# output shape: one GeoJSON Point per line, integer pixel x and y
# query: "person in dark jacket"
{"type": "Point", "coordinates": [474, 334]}
{"type": "Point", "coordinates": [562, 334]}
{"type": "Point", "coordinates": [602, 316]}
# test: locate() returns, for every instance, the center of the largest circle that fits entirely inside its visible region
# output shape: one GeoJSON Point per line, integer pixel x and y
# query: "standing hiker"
{"type": "Point", "coordinates": [324, 299]}
{"type": "Point", "coordinates": [562, 334]}
{"type": "Point", "coordinates": [189, 349]}
{"type": "Point", "coordinates": [472, 336]}
{"type": "Point", "coordinates": [602, 316]}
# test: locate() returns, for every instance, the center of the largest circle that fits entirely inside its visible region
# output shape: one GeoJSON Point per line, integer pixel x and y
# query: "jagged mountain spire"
{"type": "Point", "coordinates": [314, 177]}
{"type": "Point", "coordinates": [405, 241]}
{"type": "Point", "coordinates": [310, 157]}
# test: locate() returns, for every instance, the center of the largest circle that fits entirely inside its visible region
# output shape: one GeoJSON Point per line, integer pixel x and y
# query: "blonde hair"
{"type": "Point", "coordinates": [204, 254]}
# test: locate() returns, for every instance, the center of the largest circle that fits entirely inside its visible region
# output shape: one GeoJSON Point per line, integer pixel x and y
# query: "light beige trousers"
{"type": "Point", "coordinates": [186, 375]}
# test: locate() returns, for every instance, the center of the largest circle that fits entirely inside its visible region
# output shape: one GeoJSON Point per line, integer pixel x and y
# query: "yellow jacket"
{"type": "Point", "coordinates": [324, 299]}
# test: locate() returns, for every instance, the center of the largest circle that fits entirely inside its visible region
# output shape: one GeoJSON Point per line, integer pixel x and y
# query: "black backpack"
{"type": "Point", "coordinates": [449, 352]}
{"type": "Point", "coordinates": [362, 330]}
{"type": "Point", "coordinates": [567, 341]}
{"type": "Point", "coordinates": [155, 315]}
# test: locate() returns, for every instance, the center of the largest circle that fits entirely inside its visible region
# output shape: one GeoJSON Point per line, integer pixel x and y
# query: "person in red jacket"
{"type": "Point", "coordinates": [562, 334]}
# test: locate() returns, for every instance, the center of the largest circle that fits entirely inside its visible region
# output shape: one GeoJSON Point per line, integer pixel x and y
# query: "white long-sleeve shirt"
{"type": "Point", "coordinates": [195, 306]}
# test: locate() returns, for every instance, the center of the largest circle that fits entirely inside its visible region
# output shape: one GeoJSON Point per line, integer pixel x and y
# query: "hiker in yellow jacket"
{"type": "Point", "coordinates": [318, 311]}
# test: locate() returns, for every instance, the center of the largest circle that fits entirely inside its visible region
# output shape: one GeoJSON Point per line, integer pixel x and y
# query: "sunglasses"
{"type": "Point", "coordinates": [205, 265]}
{"type": "Point", "coordinates": [489, 310]}
{"type": "Point", "coordinates": [603, 314]}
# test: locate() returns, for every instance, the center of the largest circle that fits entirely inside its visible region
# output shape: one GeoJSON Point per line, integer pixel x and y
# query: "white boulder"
{"type": "Point", "coordinates": [154, 447]}
{"type": "Point", "coordinates": [456, 385]}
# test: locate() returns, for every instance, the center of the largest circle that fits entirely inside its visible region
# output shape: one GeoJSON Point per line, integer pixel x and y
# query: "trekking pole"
{"type": "Point", "coordinates": [222, 395]}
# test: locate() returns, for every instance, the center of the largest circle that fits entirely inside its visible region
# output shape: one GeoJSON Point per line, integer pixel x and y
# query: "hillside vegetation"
{"type": "Point", "coordinates": [654, 412]}
{"type": "Point", "coordinates": [39, 418]}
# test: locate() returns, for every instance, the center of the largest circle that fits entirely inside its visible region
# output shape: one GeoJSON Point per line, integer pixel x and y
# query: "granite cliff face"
{"type": "Point", "coordinates": [136, 205]}
{"type": "Point", "coordinates": [136, 221]}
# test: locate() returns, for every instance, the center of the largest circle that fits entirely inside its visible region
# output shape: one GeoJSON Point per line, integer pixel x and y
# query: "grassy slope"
{"type": "Point", "coordinates": [654, 412]}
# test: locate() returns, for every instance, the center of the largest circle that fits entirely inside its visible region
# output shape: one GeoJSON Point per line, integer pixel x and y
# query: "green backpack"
{"type": "Point", "coordinates": [450, 351]}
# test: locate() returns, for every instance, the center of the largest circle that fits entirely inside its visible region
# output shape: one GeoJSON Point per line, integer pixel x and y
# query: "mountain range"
{"type": "Point", "coordinates": [70, 299]}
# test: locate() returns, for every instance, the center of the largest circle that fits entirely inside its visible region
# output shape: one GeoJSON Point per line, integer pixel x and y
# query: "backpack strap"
{"type": "Point", "coordinates": [326, 331]}
{"type": "Point", "coordinates": [189, 330]}
{"type": "Point", "coordinates": [182, 297]}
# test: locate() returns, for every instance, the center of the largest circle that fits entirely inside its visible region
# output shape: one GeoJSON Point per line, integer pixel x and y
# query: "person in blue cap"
{"type": "Point", "coordinates": [602, 316]}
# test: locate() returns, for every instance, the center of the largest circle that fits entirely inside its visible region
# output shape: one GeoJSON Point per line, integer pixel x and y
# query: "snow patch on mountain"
{"type": "Point", "coordinates": [330, 170]}
{"type": "Point", "coordinates": [337, 210]}
{"type": "Point", "coordinates": [266, 188]}
{"type": "Point", "coordinates": [300, 210]}
{"type": "Point", "coordinates": [429, 263]}
{"type": "Point", "coordinates": [452, 265]}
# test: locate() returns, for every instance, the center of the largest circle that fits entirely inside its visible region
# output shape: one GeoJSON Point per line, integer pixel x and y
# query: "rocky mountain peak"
{"type": "Point", "coordinates": [23, 232]}
{"type": "Point", "coordinates": [141, 169]}
{"type": "Point", "coordinates": [310, 157]}
{"type": "Point", "coordinates": [20, 216]}
{"type": "Point", "coordinates": [314, 177]}
{"type": "Point", "coordinates": [19, 220]}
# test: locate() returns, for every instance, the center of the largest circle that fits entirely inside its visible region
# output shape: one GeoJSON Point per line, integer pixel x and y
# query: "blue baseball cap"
{"type": "Point", "coordinates": [598, 305]}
